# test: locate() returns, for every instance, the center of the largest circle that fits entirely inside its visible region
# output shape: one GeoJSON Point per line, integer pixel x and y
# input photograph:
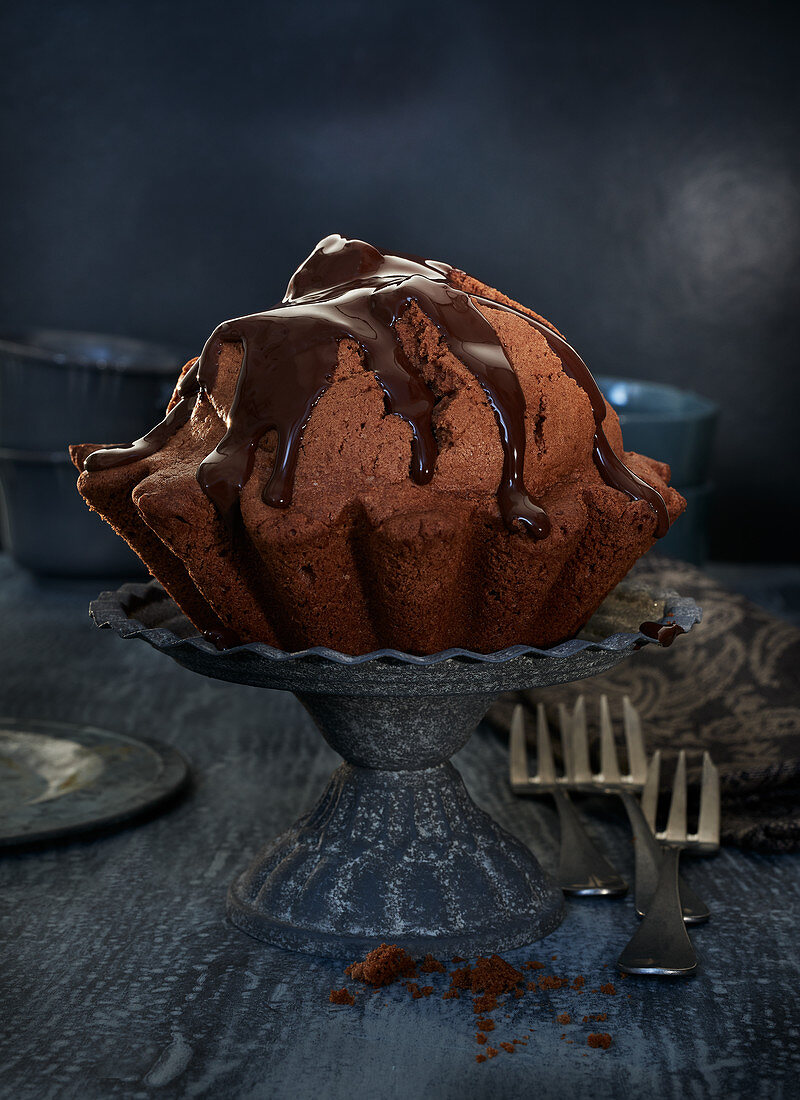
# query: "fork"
{"type": "Point", "coordinates": [582, 868]}
{"type": "Point", "coordinates": [610, 780]}
{"type": "Point", "coordinates": [661, 944]}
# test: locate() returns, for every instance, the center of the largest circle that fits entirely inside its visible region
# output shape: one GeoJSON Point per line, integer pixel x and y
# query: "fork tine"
{"type": "Point", "coordinates": [649, 798]}
{"type": "Point", "coordinates": [637, 754]}
{"type": "Point", "coordinates": [545, 767]}
{"type": "Point", "coordinates": [676, 823]}
{"type": "Point", "coordinates": [518, 773]}
{"type": "Point", "coordinates": [579, 744]}
{"type": "Point", "coordinates": [708, 824]}
{"type": "Point", "coordinates": [609, 765]}
{"type": "Point", "coordinates": [566, 746]}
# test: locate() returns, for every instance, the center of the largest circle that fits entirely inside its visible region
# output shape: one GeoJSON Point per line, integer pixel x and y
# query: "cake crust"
{"type": "Point", "coordinates": [364, 556]}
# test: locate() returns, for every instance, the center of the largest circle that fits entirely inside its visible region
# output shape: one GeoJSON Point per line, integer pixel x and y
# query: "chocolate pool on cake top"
{"type": "Point", "coordinates": [396, 455]}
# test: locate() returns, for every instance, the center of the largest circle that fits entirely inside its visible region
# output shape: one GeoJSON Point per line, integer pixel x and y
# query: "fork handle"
{"type": "Point", "coordinates": [582, 869]}
{"type": "Point", "coordinates": [649, 854]}
{"type": "Point", "coordinates": [661, 944]}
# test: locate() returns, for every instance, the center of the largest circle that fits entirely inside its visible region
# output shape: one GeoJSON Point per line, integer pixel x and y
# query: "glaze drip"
{"type": "Point", "coordinates": [348, 288]}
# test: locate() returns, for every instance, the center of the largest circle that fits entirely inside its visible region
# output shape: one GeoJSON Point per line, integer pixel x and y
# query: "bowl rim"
{"type": "Point", "coordinates": [20, 344]}
{"type": "Point", "coordinates": [697, 407]}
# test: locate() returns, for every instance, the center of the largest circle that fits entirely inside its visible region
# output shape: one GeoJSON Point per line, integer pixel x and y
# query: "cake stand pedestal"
{"type": "Point", "coordinates": [395, 850]}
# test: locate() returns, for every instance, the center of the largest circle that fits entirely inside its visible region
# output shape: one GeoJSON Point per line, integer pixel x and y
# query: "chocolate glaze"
{"type": "Point", "coordinates": [120, 455]}
{"type": "Point", "coordinates": [663, 633]}
{"type": "Point", "coordinates": [348, 288]}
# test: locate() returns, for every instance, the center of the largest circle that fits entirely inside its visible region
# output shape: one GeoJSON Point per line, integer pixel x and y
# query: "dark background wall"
{"type": "Point", "coordinates": [630, 170]}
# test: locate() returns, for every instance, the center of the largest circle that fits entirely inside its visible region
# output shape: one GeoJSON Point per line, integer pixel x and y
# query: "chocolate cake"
{"type": "Point", "coordinates": [395, 455]}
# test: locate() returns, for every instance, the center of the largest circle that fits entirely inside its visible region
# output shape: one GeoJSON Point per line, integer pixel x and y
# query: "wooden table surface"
{"type": "Point", "coordinates": [121, 976]}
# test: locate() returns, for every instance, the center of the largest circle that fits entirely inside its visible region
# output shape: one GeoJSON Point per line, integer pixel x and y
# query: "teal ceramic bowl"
{"type": "Point", "coordinates": [677, 427]}
{"type": "Point", "coordinates": [666, 423]}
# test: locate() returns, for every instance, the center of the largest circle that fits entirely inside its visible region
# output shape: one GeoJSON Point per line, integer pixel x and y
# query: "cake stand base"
{"type": "Point", "coordinates": [395, 850]}
{"type": "Point", "coordinates": [405, 856]}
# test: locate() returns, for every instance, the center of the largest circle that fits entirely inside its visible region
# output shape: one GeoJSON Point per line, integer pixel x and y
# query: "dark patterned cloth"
{"type": "Point", "coordinates": [731, 686]}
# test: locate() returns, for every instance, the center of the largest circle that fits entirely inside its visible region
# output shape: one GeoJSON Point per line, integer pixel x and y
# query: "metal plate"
{"type": "Point", "coordinates": [58, 779]}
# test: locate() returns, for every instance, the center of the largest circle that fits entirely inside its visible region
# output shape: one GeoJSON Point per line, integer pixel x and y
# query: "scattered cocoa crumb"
{"type": "Point", "coordinates": [599, 1039]}
{"type": "Point", "coordinates": [491, 1052]}
{"type": "Point", "coordinates": [550, 981]}
{"type": "Point", "coordinates": [429, 965]}
{"type": "Point", "coordinates": [579, 983]}
{"type": "Point", "coordinates": [416, 992]}
{"type": "Point", "coordinates": [563, 1036]}
{"type": "Point", "coordinates": [554, 957]}
{"type": "Point", "coordinates": [564, 1018]}
{"type": "Point", "coordinates": [597, 1018]}
{"type": "Point", "coordinates": [461, 979]}
{"type": "Point", "coordinates": [486, 1003]}
{"type": "Point", "coordinates": [570, 1042]}
{"type": "Point", "coordinates": [480, 1057]}
{"type": "Point", "coordinates": [341, 997]}
{"type": "Point", "coordinates": [480, 1037]}
{"type": "Point", "coordinates": [531, 986]}
{"type": "Point", "coordinates": [493, 975]}
{"type": "Point", "coordinates": [534, 965]}
{"type": "Point", "coordinates": [450, 995]}
{"type": "Point", "coordinates": [457, 959]}
{"type": "Point", "coordinates": [508, 1048]}
{"type": "Point", "coordinates": [383, 966]}
{"type": "Point", "coordinates": [486, 1025]}
{"type": "Point", "coordinates": [609, 988]}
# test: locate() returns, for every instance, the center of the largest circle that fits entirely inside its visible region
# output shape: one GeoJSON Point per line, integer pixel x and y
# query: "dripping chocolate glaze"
{"type": "Point", "coordinates": [663, 633]}
{"type": "Point", "coordinates": [348, 288]}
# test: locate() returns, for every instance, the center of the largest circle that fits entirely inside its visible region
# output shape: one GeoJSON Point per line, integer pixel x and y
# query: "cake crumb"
{"type": "Point", "coordinates": [509, 1048]}
{"type": "Point", "coordinates": [564, 1018]}
{"type": "Point", "coordinates": [486, 1025]}
{"type": "Point", "coordinates": [480, 1057]}
{"type": "Point", "coordinates": [384, 965]}
{"type": "Point", "coordinates": [429, 965]}
{"type": "Point", "coordinates": [579, 983]}
{"type": "Point", "coordinates": [480, 1038]}
{"type": "Point", "coordinates": [550, 981]}
{"type": "Point", "coordinates": [341, 997]}
{"type": "Point", "coordinates": [599, 1039]}
{"type": "Point", "coordinates": [491, 1052]}
{"type": "Point", "coordinates": [609, 988]}
{"type": "Point", "coordinates": [486, 1003]}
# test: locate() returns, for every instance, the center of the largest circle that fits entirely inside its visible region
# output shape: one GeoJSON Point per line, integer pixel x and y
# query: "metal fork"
{"type": "Point", "coordinates": [661, 944]}
{"type": "Point", "coordinates": [582, 868]}
{"type": "Point", "coordinates": [610, 780]}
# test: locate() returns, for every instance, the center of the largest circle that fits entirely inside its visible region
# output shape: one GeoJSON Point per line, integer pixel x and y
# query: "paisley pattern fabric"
{"type": "Point", "coordinates": [731, 686]}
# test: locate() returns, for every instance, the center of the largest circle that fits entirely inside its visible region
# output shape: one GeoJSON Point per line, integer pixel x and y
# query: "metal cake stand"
{"type": "Point", "coordinates": [395, 849]}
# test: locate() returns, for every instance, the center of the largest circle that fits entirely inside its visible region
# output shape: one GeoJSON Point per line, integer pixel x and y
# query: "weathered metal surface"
{"type": "Point", "coordinates": [394, 849]}
{"type": "Point", "coordinates": [121, 977]}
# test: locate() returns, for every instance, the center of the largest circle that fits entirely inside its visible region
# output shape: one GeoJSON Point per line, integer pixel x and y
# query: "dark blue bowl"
{"type": "Point", "coordinates": [58, 388]}
{"type": "Point", "coordinates": [46, 525]}
{"type": "Point", "coordinates": [666, 423]}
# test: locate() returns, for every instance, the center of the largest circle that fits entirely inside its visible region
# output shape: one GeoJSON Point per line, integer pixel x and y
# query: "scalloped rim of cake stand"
{"type": "Point", "coordinates": [383, 671]}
